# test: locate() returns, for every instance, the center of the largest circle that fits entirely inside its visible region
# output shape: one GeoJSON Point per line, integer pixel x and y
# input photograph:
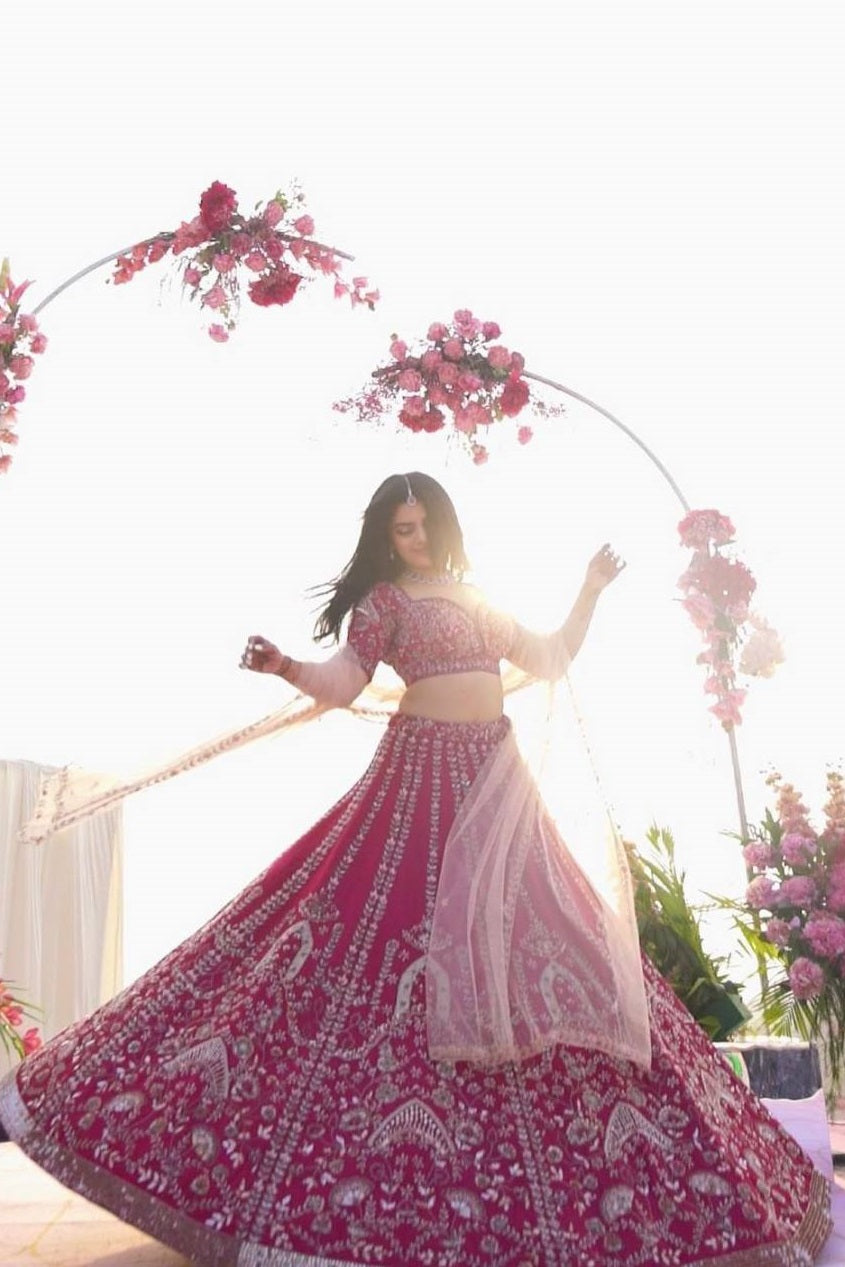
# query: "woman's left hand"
{"type": "Point", "coordinates": [603, 568]}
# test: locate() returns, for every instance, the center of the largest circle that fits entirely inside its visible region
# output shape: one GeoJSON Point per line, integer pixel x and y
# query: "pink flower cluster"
{"type": "Point", "coordinates": [12, 1035]}
{"type": "Point", "coordinates": [717, 590]}
{"type": "Point", "coordinates": [270, 247]}
{"type": "Point", "coordinates": [799, 886]}
{"type": "Point", "coordinates": [20, 341]}
{"type": "Point", "coordinates": [458, 372]}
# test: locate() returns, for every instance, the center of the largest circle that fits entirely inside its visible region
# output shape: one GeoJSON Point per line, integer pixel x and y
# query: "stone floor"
{"type": "Point", "coordinates": [43, 1223]}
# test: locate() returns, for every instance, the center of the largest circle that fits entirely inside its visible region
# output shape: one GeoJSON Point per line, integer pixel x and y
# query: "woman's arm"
{"type": "Point", "coordinates": [549, 655]}
{"type": "Point", "coordinates": [336, 681]}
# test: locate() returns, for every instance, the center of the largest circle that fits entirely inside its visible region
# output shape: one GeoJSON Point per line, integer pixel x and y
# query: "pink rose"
{"type": "Point", "coordinates": [490, 330]}
{"type": "Point", "coordinates": [463, 420]}
{"type": "Point", "coordinates": [398, 350]}
{"type": "Point", "coordinates": [469, 382]}
{"type": "Point", "coordinates": [305, 226]}
{"type": "Point", "coordinates": [278, 287]}
{"type": "Point", "coordinates": [21, 366]}
{"type": "Point", "coordinates": [437, 331]}
{"type": "Point", "coordinates": [412, 420]}
{"type": "Point", "coordinates": [218, 333]}
{"type": "Point", "coordinates": [478, 415]}
{"type": "Point", "coordinates": [431, 359]}
{"type": "Point", "coordinates": [438, 395]}
{"type": "Point", "coordinates": [806, 978]}
{"type": "Point", "coordinates": [217, 206]}
{"type": "Point", "coordinates": [448, 373]}
{"type": "Point", "coordinates": [433, 420]}
{"type": "Point", "coordinates": [453, 350]}
{"type": "Point", "coordinates": [410, 381]}
{"type": "Point", "coordinates": [215, 298]}
{"type": "Point", "coordinates": [515, 397]}
{"type": "Point", "coordinates": [498, 357]}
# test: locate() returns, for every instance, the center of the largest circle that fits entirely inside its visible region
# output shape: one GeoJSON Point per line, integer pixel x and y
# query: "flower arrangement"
{"type": "Point", "coordinates": [20, 341]}
{"type": "Point", "coordinates": [12, 1013]}
{"type": "Point", "coordinates": [793, 914]}
{"type": "Point", "coordinates": [271, 247]}
{"type": "Point", "coordinates": [717, 590]}
{"type": "Point", "coordinates": [458, 372]}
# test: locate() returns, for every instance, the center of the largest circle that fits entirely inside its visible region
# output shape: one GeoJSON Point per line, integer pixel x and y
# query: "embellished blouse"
{"type": "Point", "coordinates": [428, 637]}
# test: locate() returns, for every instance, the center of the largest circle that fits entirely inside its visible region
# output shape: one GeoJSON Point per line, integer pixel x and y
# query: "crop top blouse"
{"type": "Point", "coordinates": [428, 637]}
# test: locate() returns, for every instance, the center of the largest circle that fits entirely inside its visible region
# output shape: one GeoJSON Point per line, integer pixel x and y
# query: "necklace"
{"type": "Point", "coordinates": [424, 578]}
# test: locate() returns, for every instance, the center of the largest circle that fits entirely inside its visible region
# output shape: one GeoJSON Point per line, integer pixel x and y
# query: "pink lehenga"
{"type": "Point", "coordinates": [362, 1059]}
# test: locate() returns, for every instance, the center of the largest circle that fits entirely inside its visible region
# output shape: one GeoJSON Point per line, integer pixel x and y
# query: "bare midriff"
{"type": "Point", "coordinates": [472, 696]}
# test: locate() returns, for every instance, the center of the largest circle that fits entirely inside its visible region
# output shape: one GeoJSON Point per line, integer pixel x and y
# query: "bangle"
{"type": "Point", "coordinates": [284, 667]}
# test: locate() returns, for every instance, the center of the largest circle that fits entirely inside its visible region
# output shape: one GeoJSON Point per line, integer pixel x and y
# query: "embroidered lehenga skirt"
{"type": "Point", "coordinates": [265, 1095]}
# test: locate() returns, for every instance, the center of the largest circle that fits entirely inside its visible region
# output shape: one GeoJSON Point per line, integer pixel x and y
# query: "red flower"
{"type": "Point", "coordinates": [514, 397]}
{"type": "Point", "coordinates": [278, 287]}
{"type": "Point", "coordinates": [217, 206]}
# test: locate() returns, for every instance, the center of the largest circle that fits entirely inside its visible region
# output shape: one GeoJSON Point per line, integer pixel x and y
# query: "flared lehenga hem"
{"type": "Point", "coordinates": [203, 1245]}
{"type": "Point", "coordinates": [265, 1095]}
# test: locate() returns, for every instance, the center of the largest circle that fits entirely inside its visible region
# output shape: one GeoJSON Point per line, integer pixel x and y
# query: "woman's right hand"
{"type": "Point", "coordinates": [262, 656]}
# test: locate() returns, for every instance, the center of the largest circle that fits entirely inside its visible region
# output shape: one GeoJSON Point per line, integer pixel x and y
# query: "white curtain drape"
{"type": "Point", "coordinates": [60, 906]}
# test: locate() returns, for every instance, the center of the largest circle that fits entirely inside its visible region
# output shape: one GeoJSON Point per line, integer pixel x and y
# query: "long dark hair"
{"type": "Point", "coordinates": [372, 561]}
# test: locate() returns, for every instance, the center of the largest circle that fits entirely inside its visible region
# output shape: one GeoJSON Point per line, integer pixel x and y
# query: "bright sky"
{"type": "Point", "coordinates": [648, 198]}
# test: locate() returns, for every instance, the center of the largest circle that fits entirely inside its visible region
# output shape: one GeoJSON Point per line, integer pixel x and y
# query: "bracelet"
{"type": "Point", "coordinates": [284, 667]}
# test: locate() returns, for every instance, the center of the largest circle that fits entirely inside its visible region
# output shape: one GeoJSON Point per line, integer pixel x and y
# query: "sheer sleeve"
{"type": "Point", "coordinates": [544, 656]}
{"type": "Point", "coordinates": [340, 679]}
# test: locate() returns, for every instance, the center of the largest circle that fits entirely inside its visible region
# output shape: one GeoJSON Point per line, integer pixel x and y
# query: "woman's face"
{"type": "Point", "coordinates": [408, 538]}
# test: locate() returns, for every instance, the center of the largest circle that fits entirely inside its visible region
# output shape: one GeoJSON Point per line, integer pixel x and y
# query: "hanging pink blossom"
{"type": "Point", "coordinates": [452, 369]}
{"type": "Point", "coordinates": [20, 341]}
{"type": "Point", "coordinates": [220, 240]}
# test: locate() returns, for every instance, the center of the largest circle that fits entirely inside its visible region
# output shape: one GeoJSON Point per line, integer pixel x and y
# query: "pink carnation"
{"type": "Point", "coordinates": [437, 331]}
{"type": "Point", "coordinates": [778, 932]}
{"type": "Point", "coordinates": [797, 848]}
{"type": "Point", "coordinates": [700, 527]}
{"type": "Point", "coordinates": [806, 978]}
{"type": "Point", "coordinates": [410, 381]}
{"type": "Point", "coordinates": [826, 934]}
{"type": "Point", "coordinates": [431, 359]}
{"type": "Point", "coordinates": [499, 358]}
{"type": "Point", "coordinates": [453, 349]}
{"type": "Point", "coordinates": [217, 205]}
{"type": "Point", "coordinates": [762, 893]}
{"type": "Point", "coordinates": [758, 853]}
{"type": "Point", "coordinates": [797, 890]}
{"type": "Point", "coordinates": [38, 344]}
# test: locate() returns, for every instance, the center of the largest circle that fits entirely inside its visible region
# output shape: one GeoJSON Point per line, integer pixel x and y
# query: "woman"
{"type": "Point", "coordinates": [421, 1036]}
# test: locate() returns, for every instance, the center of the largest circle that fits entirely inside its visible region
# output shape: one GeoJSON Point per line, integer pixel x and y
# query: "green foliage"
{"type": "Point", "coordinates": [670, 935]}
